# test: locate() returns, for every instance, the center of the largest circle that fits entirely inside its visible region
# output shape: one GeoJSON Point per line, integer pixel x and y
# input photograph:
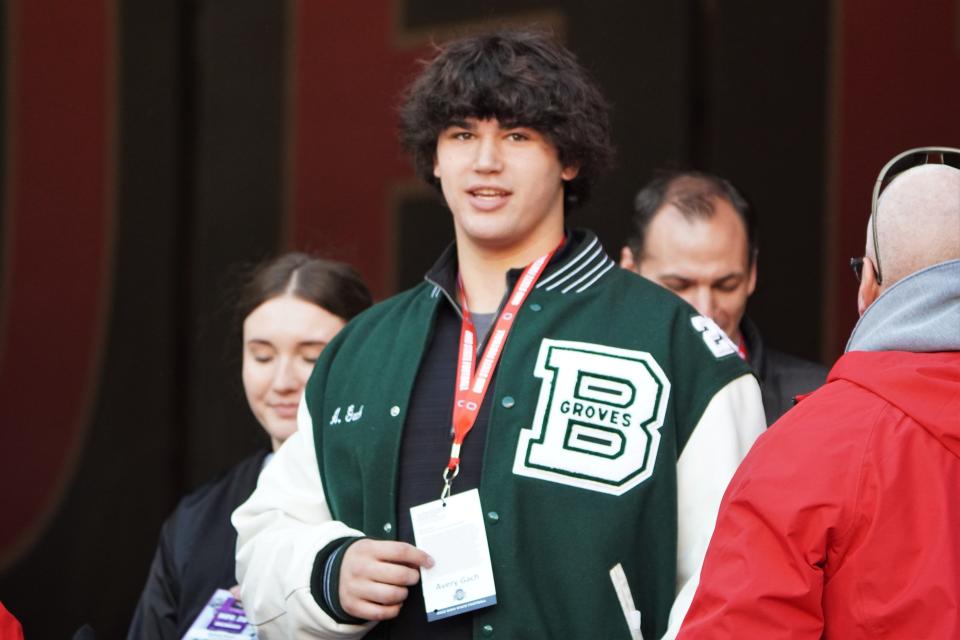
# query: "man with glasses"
{"type": "Point", "coordinates": [696, 235]}
{"type": "Point", "coordinates": [842, 522]}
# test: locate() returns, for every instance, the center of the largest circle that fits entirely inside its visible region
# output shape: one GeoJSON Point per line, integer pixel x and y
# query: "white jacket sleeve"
{"type": "Point", "coordinates": [733, 419]}
{"type": "Point", "coordinates": [280, 530]}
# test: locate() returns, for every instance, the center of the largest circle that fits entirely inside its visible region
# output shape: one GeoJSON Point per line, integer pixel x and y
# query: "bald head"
{"type": "Point", "coordinates": [918, 221]}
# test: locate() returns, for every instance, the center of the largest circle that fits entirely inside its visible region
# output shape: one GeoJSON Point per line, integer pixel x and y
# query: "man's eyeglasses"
{"type": "Point", "coordinates": [857, 265]}
{"type": "Point", "coordinates": [900, 163]}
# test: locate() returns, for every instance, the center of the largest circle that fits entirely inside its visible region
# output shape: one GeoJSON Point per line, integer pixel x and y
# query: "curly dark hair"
{"type": "Point", "coordinates": [521, 78]}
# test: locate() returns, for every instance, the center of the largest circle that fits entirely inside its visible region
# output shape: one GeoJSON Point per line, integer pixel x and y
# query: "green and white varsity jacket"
{"type": "Point", "coordinates": [627, 415]}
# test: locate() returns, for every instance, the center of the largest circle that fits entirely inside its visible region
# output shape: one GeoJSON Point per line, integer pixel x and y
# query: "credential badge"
{"type": "Point", "coordinates": [598, 418]}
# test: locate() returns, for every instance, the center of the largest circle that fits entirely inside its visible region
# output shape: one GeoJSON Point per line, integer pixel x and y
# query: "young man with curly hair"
{"type": "Point", "coordinates": [605, 420]}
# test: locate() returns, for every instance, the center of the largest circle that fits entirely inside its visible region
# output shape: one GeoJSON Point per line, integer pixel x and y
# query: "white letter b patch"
{"type": "Point", "coordinates": [598, 418]}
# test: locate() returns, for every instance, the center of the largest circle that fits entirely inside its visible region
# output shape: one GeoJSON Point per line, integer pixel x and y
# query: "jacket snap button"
{"type": "Point", "coordinates": [535, 307]}
{"type": "Point", "coordinates": [487, 630]}
{"type": "Point", "coordinates": [507, 402]}
{"type": "Point", "coordinates": [493, 517]}
{"type": "Point", "coordinates": [394, 411]}
{"type": "Point", "coordinates": [387, 528]}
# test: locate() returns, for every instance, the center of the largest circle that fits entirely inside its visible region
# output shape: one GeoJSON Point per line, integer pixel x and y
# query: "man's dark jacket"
{"type": "Point", "coordinates": [782, 377]}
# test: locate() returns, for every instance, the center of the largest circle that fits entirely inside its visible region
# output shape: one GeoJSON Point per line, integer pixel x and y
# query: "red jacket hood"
{"type": "Point", "coordinates": [925, 386]}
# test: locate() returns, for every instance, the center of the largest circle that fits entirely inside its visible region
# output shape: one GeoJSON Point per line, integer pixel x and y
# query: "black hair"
{"type": "Point", "coordinates": [334, 286]}
{"type": "Point", "coordinates": [693, 194]}
{"type": "Point", "coordinates": [521, 78]}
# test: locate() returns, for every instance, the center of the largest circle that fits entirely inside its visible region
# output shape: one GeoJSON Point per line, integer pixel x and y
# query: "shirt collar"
{"type": "Point", "coordinates": [443, 273]}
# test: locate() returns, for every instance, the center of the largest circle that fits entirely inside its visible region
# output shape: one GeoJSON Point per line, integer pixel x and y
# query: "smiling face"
{"type": "Point", "coordinates": [504, 186]}
{"type": "Point", "coordinates": [282, 339]}
{"type": "Point", "coordinates": [705, 261]}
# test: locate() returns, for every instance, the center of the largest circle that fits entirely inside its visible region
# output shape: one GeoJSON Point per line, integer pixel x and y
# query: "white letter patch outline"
{"type": "Point", "coordinates": [713, 336]}
{"type": "Point", "coordinates": [598, 418]}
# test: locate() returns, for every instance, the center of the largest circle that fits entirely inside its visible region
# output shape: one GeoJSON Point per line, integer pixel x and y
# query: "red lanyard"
{"type": "Point", "coordinates": [472, 381]}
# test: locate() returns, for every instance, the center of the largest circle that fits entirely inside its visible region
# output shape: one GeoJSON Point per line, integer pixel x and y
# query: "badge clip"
{"type": "Point", "coordinates": [448, 476]}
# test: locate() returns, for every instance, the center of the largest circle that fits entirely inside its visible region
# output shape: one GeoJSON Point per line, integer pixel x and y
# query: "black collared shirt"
{"type": "Point", "coordinates": [425, 448]}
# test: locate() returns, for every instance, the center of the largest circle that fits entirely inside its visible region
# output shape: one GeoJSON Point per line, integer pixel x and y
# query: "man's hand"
{"type": "Point", "coordinates": [374, 577]}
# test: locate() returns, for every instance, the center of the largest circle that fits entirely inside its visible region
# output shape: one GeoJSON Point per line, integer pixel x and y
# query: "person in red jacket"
{"type": "Point", "coordinates": [10, 628]}
{"type": "Point", "coordinates": [844, 519]}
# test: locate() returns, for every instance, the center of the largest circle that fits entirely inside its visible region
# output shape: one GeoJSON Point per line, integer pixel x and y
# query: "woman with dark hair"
{"type": "Point", "coordinates": [289, 309]}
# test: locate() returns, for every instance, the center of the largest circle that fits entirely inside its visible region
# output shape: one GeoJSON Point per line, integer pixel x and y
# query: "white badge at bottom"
{"type": "Point", "coordinates": [221, 619]}
{"type": "Point", "coordinates": [461, 579]}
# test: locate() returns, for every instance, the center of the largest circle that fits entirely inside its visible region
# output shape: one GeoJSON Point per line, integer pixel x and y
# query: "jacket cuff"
{"type": "Point", "coordinates": [325, 580]}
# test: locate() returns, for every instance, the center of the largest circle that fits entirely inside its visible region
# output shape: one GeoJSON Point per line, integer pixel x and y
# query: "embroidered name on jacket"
{"type": "Point", "coordinates": [352, 414]}
{"type": "Point", "coordinates": [598, 418]}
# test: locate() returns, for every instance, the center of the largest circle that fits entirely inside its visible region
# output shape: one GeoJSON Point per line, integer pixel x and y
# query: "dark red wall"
{"type": "Point", "coordinates": [149, 148]}
{"type": "Point", "coordinates": [58, 232]}
{"type": "Point", "coordinates": [896, 86]}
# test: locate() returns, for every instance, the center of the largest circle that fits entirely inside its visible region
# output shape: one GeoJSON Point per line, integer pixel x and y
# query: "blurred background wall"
{"type": "Point", "coordinates": [149, 148]}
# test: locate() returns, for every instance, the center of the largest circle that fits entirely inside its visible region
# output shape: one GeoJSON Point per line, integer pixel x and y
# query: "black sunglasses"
{"type": "Point", "coordinates": [900, 163]}
{"type": "Point", "coordinates": [857, 265]}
